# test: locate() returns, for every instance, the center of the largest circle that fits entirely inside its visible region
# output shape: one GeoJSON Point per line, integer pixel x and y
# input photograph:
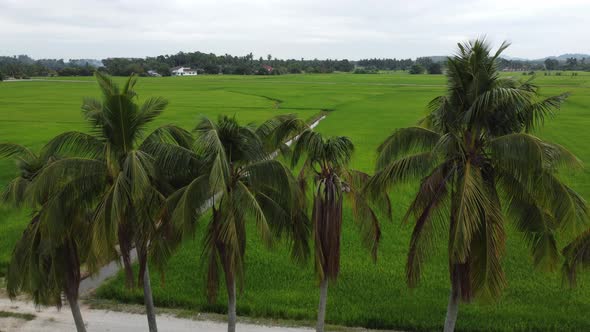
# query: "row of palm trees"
{"type": "Point", "coordinates": [98, 196]}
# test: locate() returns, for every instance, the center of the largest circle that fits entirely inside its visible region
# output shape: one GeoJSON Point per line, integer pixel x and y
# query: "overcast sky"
{"type": "Point", "coordinates": [289, 28]}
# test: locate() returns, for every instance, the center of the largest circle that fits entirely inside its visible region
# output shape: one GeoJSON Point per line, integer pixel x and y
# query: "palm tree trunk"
{"type": "Point", "coordinates": [149, 301]}
{"type": "Point", "coordinates": [231, 305]}
{"type": "Point", "coordinates": [230, 283]}
{"type": "Point", "coordinates": [129, 279]}
{"type": "Point", "coordinates": [322, 305]}
{"type": "Point", "coordinates": [452, 307]}
{"type": "Point", "coordinates": [125, 248]}
{"type": "Point", "coordinates": [75, 307]}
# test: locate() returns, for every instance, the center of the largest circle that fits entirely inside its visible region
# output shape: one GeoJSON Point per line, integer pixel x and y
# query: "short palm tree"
{"type": "Point", "coordinates": [118, 175]}
{"type": "Point", "coordinates": [475, 155]}
{"type": "Point", "coordinates": [240, 182]}
{"type": "Point", "coordinates": [47, 258]}
{"type": "Point", "coordinates": [326, 166]}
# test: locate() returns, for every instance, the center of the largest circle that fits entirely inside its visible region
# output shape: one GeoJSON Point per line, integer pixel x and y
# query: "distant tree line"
{"type": "Point", "coordinates": [386, 64]}
{"type": "Point", "coordinates": [418, 66]}
{"type": "Point", "coordinates": [571, 63]}
{"type": "Point", "coordinates": [23, 66]}
{"type": "Point", "coordinates": [209, 63]}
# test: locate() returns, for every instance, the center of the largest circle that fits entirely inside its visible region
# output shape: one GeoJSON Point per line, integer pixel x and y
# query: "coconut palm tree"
{"type": "Point", "coordinates": [118, 175]}
{"type": "Point", "coordinates": [47, 258]}
{"type": "Point", "coordinates": [326, 166]}
{"type": "Point", "coordinates": [477, 158]}
{"type": "Point", "coordinates": [241, 182]}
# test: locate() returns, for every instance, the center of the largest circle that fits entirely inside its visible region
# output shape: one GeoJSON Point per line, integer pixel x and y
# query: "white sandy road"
{"type": "Point", "coordinates": [50, 319]}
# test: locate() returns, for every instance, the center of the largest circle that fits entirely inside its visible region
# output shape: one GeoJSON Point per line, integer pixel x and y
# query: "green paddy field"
{"type": "Point", "coordinates": [366, 108]}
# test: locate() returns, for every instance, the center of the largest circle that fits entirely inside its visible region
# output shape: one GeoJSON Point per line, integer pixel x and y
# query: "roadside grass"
{"type": "Point", "coordinates": [9, 314]}
{"type": "Point", "coordinates": [367, 108]}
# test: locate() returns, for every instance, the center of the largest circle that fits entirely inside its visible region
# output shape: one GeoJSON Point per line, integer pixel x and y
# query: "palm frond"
{"type": "Point", "coordinates": [246, 200]}
{"type": "Point", "coordinates": [174, 162]}
{"type": "Point", "coordinates": [487, 247]}
{"type": "Point", "coordinates": [188, 204]}
{"type": "Point", "coordinates": [365, 215]}
{"type": "Point", "coordinates": [53, 177]}
{"type": "Point", "coordinates": [402, 170]}
{"type": "Point", "coordinates": [403, 142]}
{"type": "Point", "coordinates": [430, 208]}
{"type": "Point", "coordinates": [14, 192]}
{"type": "Point", "coordinates": [577, 257]}
{"type": "Point", "coordinates": [520, 152]}
{"type": "Point", "coordinates": [568, 207]}
{"type": "Point", "coordinates": [532, 220]}
{"type": "Point", "coordinates": [535, 113]}
{"type": "Point", "coordinates": [74, 144]}
{"type": "Point", "coordinates": [106, 84]}
{"type": "Point", "coordinates": [139, 170]}
{"type": "Point", "coordinates": [11, 150]}
{"type": "Point", "coordinates": [211, 258]}
{"type": "Point", "coordinates": [469, 203]}
{"type": "Point", "coordinates": [149, 110]}
{"type": "Point", "coordinates": [276, 130]}
{"type": "Point", "coordinates": [128, 88]}
{"type": "Point", "coordinates": [170, 134]}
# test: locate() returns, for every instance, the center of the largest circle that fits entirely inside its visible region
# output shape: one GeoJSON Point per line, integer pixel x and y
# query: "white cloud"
{"type": "Point", "coordinates": [288, 28]}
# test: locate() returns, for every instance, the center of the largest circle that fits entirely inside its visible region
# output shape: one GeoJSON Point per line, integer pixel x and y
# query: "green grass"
{"type": "Point", "coordinates": [366, 108]}
{"type": "Point", "coordinates": [8, 314]}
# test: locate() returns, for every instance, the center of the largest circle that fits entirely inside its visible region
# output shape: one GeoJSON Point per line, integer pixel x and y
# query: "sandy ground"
{"type": "Point", "coordinates": [50, 319]}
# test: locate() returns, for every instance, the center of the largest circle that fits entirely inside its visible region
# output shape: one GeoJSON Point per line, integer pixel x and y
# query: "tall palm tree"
{"type": "Point", "coordinates": [475, 155]}
{"type": "Point", "coordinates": [118, 175]}
{"type": "Point", "coordinates": [326, 165]}
{"type": "Point", "coordinates": [241, 182]}
{"type": "Point", "coordinates": [47, 258]}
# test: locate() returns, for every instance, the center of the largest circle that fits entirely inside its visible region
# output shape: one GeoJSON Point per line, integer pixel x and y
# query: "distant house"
{"type": "Point", "coordinates": [183, 71]}
{"type": "Point", "coordinates": [268, 68]}
{"type": "Point", "coordinates": [153, 73]}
